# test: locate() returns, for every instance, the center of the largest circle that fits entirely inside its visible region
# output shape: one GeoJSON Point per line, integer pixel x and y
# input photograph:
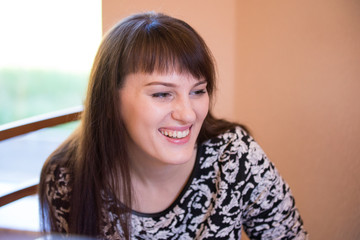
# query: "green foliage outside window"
{"type": "Point", "coordinates": [28, 92]}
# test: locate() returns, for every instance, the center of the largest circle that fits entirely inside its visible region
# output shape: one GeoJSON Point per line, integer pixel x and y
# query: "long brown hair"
{"type": "Point", "coordinates": [96, 152]}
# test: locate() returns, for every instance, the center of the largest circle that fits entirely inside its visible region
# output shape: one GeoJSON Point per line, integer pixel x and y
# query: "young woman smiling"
{"type": "Point", "coordinates": [149, 161]}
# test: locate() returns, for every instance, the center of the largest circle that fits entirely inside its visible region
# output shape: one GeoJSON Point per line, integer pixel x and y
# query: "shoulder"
{"type": "Point", "coordinates": [238, 157]}
{"type": "Point", "coordinates": [56, 183]}
{"type": "Point", "coordinates": [56, 175]}
{"type": "Point", "coordinates": [233, 141]}
{"type": "Point", "coordinates": [249, 182]}
{"type": "Point", "coordinates": [226, 154]}
{"type": "Point", "coordinates": [236, 140]}
{"type": "Point", "coordinates": [55, 186]}
{"type": "Point", "coordinates": [54, 193]}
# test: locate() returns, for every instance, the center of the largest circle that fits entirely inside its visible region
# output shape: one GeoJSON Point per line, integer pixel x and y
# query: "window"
{"type": "Point", "coordinates": [47, 48]}
{"type": "Point", "coordinates": [46, 51]}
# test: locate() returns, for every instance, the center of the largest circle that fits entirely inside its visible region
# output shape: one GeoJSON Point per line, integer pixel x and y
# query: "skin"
{"type": "Point", "coordinates": [155, 107]}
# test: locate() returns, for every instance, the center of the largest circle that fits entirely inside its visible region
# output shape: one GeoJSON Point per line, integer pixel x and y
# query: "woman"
{"type": "Point", "coordinates": [149, 161]}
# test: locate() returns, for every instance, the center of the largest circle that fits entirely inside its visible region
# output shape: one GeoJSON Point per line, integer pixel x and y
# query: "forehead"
{"type": "Point", "coordinates": [170, 79]}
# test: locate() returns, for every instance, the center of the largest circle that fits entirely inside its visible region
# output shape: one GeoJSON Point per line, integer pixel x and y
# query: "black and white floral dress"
{"type": "Point", "coordinates": [233, 186]}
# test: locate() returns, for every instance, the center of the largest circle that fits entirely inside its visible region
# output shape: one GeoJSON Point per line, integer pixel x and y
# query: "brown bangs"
{"type": "Point", "coordinates": [157, 44]}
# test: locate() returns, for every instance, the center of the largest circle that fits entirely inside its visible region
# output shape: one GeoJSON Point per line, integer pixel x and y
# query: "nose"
{"type": "Point", "coordinates": [183, 111]}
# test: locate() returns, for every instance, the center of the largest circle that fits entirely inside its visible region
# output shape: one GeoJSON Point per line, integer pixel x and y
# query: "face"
{"type": "Point", "coordinates": [163, 114]}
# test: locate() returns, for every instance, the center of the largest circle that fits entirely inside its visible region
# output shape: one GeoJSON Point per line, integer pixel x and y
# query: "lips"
{"type": "Point", "coordinates": [175, 134]}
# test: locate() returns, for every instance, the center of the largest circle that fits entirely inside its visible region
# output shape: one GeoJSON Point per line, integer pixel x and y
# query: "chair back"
{"type": "Point", "coordinates": [28, 125]}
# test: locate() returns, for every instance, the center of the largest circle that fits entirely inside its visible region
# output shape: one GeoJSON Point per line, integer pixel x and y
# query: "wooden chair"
{"type": "Point", "coordinates": [28, 125]}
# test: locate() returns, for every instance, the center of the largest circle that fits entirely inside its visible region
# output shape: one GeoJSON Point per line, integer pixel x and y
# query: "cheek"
{"type": "Point", "coordinates": [143, 115]}
{"type": "Point", "coordinates": [129, 113]}
{"type": "Point", "coordinates": [204, 108]}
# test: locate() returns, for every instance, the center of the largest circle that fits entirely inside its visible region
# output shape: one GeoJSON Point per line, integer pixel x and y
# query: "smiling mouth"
{"type": "Point", "coordinates": [175, 134]}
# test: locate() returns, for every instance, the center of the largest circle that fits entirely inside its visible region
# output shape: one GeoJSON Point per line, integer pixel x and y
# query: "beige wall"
{"type": "Point", "coordinates": [290, 70]}
{"type": "Point", "coordinates": [298, 72]}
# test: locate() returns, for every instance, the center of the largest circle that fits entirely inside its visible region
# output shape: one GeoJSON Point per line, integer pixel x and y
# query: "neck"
{"type": "Point", "coordinates": [156, 185]}
{"type": "Point", "coordinates": [150, 172]}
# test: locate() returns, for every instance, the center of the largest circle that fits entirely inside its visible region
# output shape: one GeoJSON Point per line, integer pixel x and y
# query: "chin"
{"type": "Point", "coordinates": [179, 159]}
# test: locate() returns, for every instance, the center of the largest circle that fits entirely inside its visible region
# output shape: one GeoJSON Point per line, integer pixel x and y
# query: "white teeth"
{"type": "Point", "coordinates": [175, 134]}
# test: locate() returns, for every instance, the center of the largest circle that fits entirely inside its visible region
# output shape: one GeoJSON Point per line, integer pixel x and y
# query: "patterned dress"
{"type": "Point", "coordinates": [233, 186]}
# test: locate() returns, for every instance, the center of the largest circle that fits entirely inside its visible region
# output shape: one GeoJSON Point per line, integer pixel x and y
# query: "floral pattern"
{"type": "Point", "coordinates": [233, 186]}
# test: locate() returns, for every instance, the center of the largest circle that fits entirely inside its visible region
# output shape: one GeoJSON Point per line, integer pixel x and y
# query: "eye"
{"type": "Point", "coordinates": [199, 92]}
{"type": "Point", "coordinates": [161, 95]}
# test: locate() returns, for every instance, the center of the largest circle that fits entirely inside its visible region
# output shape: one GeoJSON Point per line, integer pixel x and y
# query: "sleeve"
{"type": "Point", "coordinates": [268, 207]}
{"type": "Point", "coordinates": [57, 196]}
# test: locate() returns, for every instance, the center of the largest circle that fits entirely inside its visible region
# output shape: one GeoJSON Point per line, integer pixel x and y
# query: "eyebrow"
{"type": "Point", "coordinates": [166, 84]}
